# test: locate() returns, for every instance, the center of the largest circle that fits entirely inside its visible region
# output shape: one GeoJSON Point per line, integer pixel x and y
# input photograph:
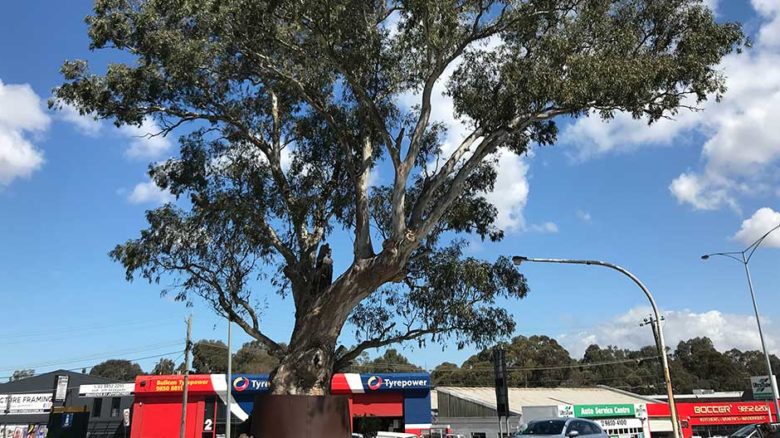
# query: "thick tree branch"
{"type": "Point", "coordinates": [363, 248]}
{"type": "Point", "coordinates": [488, 145]}
{"type": "Point", "coordinates": [252, 329]}
{"type": "Point", "coordinates": [345, 359]}
{"type": "Point", "coordinates": [320, 107]}
{"type": "Point", "coordinates": [431, 186]}
{"type": "Point", "coordinates": [403, 170]}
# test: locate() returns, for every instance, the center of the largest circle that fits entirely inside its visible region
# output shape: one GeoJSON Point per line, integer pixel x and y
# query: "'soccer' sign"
{"type": "Point", "coordinates": [596, 411]}
{"type": "Point", "coordinates": [731, 409]}
{"type": "Point", "coordinates": [106, 390]}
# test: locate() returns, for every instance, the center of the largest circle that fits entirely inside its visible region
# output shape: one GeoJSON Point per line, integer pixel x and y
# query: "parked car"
{"type": "Point", "coordinates": [382, 434]}
{"type": "Point", "coordinates": [562, 427]}
{"type": "Point", "coordinates": [758, 431]}
{"type": "Point", "coordinates": [395, 435]}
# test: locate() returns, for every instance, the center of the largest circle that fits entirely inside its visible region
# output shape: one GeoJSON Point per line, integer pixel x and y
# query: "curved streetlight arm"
{"type": "Point", "coordinates": [517, 260]}
{"type": "Point", "coordinates": [731, 255]}
{"type": "Point", "coordinates": [754, 246]}
{"type": "Point", "coordinates": [597, 263]}
{"type": "Point", "coordinates": [745, 256]}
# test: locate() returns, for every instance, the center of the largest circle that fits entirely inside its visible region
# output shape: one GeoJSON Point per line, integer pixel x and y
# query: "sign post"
{"type": "Point", "coordinates": [61, 390]}
{"type": "Point", "coordinates": [125, 421]}
{"type": "Point", "coordinates": [763, 387]}
{"type": "Point", "coordinates": [502, 391]}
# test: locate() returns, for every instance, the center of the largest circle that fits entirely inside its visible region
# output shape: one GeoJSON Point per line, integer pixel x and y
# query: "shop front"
{"type": "Point", "coordinates": [394, 402]}
{"type": "Point", "coordinates": [617, 420]}
{"type": "Point", "coordinates": [709, 419]}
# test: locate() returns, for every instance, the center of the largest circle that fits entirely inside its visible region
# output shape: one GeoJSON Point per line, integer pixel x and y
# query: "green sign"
{"type": "Point", "coordinates": [599, 411]}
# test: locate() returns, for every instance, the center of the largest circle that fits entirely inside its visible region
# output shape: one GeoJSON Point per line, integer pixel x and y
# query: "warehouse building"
{"type": "Point", "coordinates": [472, 411]}
{"type": "Point", "coordinates": [72, 400]}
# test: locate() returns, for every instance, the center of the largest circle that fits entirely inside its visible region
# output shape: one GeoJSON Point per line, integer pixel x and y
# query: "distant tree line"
{"type": "Point", "coordinates": [532, 362]}
{"type": "Point", "coordinates": [208, 356]}
{"type": "Point", "coordinates": [539, 361]}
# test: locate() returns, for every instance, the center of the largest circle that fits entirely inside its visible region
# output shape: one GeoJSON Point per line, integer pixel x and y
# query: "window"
{"type": "Point", "coordinates": [478, 435]}
{"type": "Point", "coordinates": [97, 405]}
{"type": "Point", "coordinates": [115, 402]}
{"type": "Point", "coordinates": [587, 428]}
{"type": "Point", "coordinates": [545, 427]}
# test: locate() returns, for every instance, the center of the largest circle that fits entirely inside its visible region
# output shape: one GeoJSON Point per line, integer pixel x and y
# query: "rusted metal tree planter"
{"type": "Point", "coordinates": [301, 416]}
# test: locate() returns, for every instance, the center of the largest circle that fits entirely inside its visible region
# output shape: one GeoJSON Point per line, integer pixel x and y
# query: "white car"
{"type": "Point", "coordinates": [758, 431]}
{"type": "Point", "coordinates": [395, 435]}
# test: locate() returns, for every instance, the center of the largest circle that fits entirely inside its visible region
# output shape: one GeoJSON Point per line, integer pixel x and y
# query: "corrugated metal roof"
{"type": "Point", "coordinates": [702, 396]}
{"type": "Point", "coordinates": [519, 397]}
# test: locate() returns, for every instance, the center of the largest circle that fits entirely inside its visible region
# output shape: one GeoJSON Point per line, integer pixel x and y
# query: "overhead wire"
{"type": "Point", "coordinates": [93, 365]}
{"type": "Point", "coordinates": [57, 363]}
{"type": "Point", "coordinates": [86, 329]}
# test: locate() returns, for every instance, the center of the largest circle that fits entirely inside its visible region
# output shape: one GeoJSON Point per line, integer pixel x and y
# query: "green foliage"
{"type": "Point", "coordinates": [253, 357]}
{"type": "Point", "coordinates": [209, 357]}
{"type": "Point", "coordinates": [539, 361]}
{"type": "Point", "coordinates": [164, 366]}
{"type": "Point", "coordinates": [117, 369]}
{"type": "Point", "coordinates": [248, 82]}
{"type": "Point", "coordinates": [21, 374]}
{"type": "Point", "coordinates": [390, 362]}
{"type": "Point", "coordinates": [712, 369]}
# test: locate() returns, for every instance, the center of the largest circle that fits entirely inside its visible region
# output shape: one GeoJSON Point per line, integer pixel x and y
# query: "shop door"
{"type": "Point", "coordinates": [377, 412]}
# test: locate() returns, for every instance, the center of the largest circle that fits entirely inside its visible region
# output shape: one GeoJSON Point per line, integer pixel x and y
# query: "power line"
{"type": "Point", "coordinates": [93, 365]}
{"type": "Point", "coordinates": [86, 328]}
{"type": "Point", "coordinates": [490, 368]}
{"type": "Point", "coordinates": [93, 356]}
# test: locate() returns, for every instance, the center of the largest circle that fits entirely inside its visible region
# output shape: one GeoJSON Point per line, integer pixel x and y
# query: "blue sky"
{"type": "Point", "coordinates": [651, 199]}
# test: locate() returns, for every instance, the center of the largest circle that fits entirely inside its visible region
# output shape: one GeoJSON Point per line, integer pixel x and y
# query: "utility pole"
{"type": "Point", "coordinates": [651, 321]}
{"type": "Point", "coordinates": [185, 387]}
{"type": "Point", "coordinates": [228, 416]}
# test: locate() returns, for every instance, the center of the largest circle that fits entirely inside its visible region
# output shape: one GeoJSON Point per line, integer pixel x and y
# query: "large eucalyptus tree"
{"type": "Point", "coordinates": [283, 107]}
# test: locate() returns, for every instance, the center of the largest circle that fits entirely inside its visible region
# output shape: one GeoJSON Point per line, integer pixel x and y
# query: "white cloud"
{"type": "Point", "coordinates": [21, 114]}
{"type": "Point", "coordinates": [148, 193]}
{"type": "Point", "coordinates": [726, 331]}
{"type": "Point", "coordinates": [712, 4]}
{"type": "Point", "coordinates": [147, 143]}
{"type": "Point", "coordinates": [584, 216]}
{"type": "Point", "coordinates": [85, 124]}
{"type": "Point", "coordinates": [741, 155]}
{"type": "Point", "coordinates": [763, 220]}
{"type": "Point", "coordinates": [689, 188]}
{"type": "Point", "coordinates": [511, 192]}
{"type": "Point", "coordinates": [374, 177]}
{"type": "Point", "coordinates": [546, 228]}
{"type": "Point", "coordinates": [591, 137]}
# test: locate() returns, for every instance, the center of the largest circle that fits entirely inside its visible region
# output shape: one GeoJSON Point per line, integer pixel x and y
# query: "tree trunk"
{"type": "Point", "coordinates": [307, 367]}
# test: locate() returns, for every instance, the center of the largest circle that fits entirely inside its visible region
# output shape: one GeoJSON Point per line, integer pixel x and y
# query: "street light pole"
{"type": "Point", "coordinates": [228, 395]}
{"type": "Point", "coordinates": [517, 260]}
{"type": "Point", "coordinates": [744, 258]}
